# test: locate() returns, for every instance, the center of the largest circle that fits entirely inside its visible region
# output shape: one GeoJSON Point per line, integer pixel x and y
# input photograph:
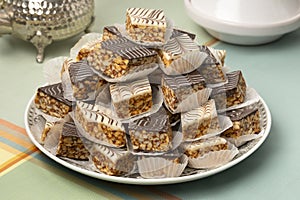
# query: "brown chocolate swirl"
{"type": "Point", "coordinates": [240, 113]}
{"type": "Point", "coordinates": [69, 129]}
{"type": "Point", "coordinates": [185, 80]}
{"type": "Point", "coordinates": [55, 91]}
{"type": "Point", "coordinates": [211, 58]}
{"type": "Point", "coordinates": [112, 29]}
{"type": "Point", "coordinates": [233, 79]}
{"type": "Point", "coordinates": [180, 45]}
{"type": "Point", "coordinates": [127, 49]}
{"type": "Point", "coordinates": [143, 16]}
{"type": "Point", "coordinates": [157, 122]}
{"type": "Point", "coordinates": [80, 71]}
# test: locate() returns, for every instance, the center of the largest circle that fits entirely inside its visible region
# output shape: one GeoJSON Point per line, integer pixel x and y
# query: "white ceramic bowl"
{"type": "Point", "coordinates": [246, 22]}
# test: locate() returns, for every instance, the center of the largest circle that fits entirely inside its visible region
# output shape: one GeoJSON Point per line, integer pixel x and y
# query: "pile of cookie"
{"type": "Point", "coordinates": [146, 99]}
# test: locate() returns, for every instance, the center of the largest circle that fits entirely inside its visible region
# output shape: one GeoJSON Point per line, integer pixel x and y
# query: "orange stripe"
{"type": "Point", "coordinates": [17, 158]}
{"type": "Point", "coordinates": [13, 126]}
{"type": "Point", "coordinates": [211, 42]}
{"type": "Point", "coordinates": [15, 139]}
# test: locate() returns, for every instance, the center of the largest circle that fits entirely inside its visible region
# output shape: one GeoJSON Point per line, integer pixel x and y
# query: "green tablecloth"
{"type": "Point", "coordinates": [270, 173]}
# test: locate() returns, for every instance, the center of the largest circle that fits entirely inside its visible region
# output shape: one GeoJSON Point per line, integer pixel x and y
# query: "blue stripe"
{"type": "Point", "coordinates": [13, 144]}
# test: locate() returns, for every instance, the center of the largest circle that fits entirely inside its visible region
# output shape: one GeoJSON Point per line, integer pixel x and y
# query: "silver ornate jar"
{"type": "Point", "coordinates": [43, 21]}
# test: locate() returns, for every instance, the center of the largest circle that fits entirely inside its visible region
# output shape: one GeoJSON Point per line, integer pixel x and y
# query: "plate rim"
{"type": "Point", "coordinates": [242, 29]}
{"type": "Point", "coordinates": [141, 181]}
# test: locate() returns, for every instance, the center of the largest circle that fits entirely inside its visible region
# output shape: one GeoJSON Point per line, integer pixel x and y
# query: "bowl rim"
{"type": "Point", "coordinates": [244, 29]}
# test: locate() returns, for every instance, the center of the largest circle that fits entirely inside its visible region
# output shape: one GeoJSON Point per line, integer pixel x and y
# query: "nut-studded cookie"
{"type": "Point", "coordinates": [152, 133]}
{"type": "Point", "coordinates": [112, 161]}
{"type": "Point", "coordinates": [245, 120]}
{"type": "Point", "coordinates": [110, 33]}
{"type": "Point", "coordinates": [177, 88]}
{"type": "Point", "coordinates": [70, 144]}
{"type": "Point", "coordinates": [203, 146]}
{"type": "Point", "coordinates": [99, 125]}
{"type": "Point", "coordinates": [146, 25]}
{"type": "Point", "coordinates": [131, 99]}
{"type": "Point", "coordinates": [50, 100]}
{"type": "Point", "coordinates": [118, 57]}
{"type": "Point", "coordinates": [211, 68]}
{"type": "Point", "coordinates": [200, 121]}
{"type": "Point", "coordinates": [85, 82]}
{"type": "Point", "coordinates": [177, 47]}
{"type": "Point", "coordinates": [232, 93]}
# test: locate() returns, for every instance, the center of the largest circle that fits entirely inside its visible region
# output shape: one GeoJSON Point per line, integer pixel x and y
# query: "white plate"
{"type": "Point", "coordinates": [243, 21]}
{"type": "Point", "coordinates": [188, 174]}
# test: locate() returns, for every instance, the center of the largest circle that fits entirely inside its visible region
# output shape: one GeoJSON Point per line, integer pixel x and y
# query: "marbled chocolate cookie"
{"type": "Point", "coordinates": [50, 100]}
{"type": "Point", "coordinates": [146, 25]}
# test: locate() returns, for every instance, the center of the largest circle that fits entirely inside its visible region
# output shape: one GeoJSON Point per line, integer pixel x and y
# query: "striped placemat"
{"type": "Point", "coordinates": [25, 168]}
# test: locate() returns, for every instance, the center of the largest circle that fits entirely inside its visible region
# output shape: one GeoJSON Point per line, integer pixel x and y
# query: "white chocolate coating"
{"type": "Point", "coordinates": [124, 91]}
{"type": "Point", "coordinates": [206, 111]}
{"type": "Point", "coordinates": [148, 17]}
{"type": "Point", "coordinates": [99, 114]}
{"type": "Point", "coordinates": [205, 143]}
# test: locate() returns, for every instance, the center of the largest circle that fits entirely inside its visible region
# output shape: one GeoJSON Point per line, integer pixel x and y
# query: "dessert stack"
{"type": "Point", "coordinates": [144, 99]}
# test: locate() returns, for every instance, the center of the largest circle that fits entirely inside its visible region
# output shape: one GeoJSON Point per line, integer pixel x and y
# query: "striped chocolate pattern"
{"type": "Point", "coordinates": [240, 113]}
{"type": "Point", "coordinates": [233, 80]}
{"type": "Point", "coordinates": [206, 111]}
{"type": "Point", "coordinates": [112, 29]}
{"type": "Point", "coordinates": [157, 122]}
{"type": "Point", "coordinates": [178, 32]}
{"type": "Point", "coordinates": [143, 16]}
{"type": "Point", "coordinates": [126, 48]}
{"type": "Point", "coordinates": [55, 91]}
{"type": "Point", "coordinates": [206, 143]}
{"type": "Point", "coordinates": [122, 91]}
{"type": "Point", "coordinates": [79, 71]}
{"type": "Point", "coordinates": [184, 80]}
{"type": "Point", "coordinates": [98, 114]}
{"type": "Point", "coordinates": [180, 45]}
{"type": "Point", "coordinates": [211, 59]}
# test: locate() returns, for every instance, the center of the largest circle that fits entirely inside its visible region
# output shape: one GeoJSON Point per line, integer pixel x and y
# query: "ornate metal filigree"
{"type": "Point", "coordinates": [43, 21]}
